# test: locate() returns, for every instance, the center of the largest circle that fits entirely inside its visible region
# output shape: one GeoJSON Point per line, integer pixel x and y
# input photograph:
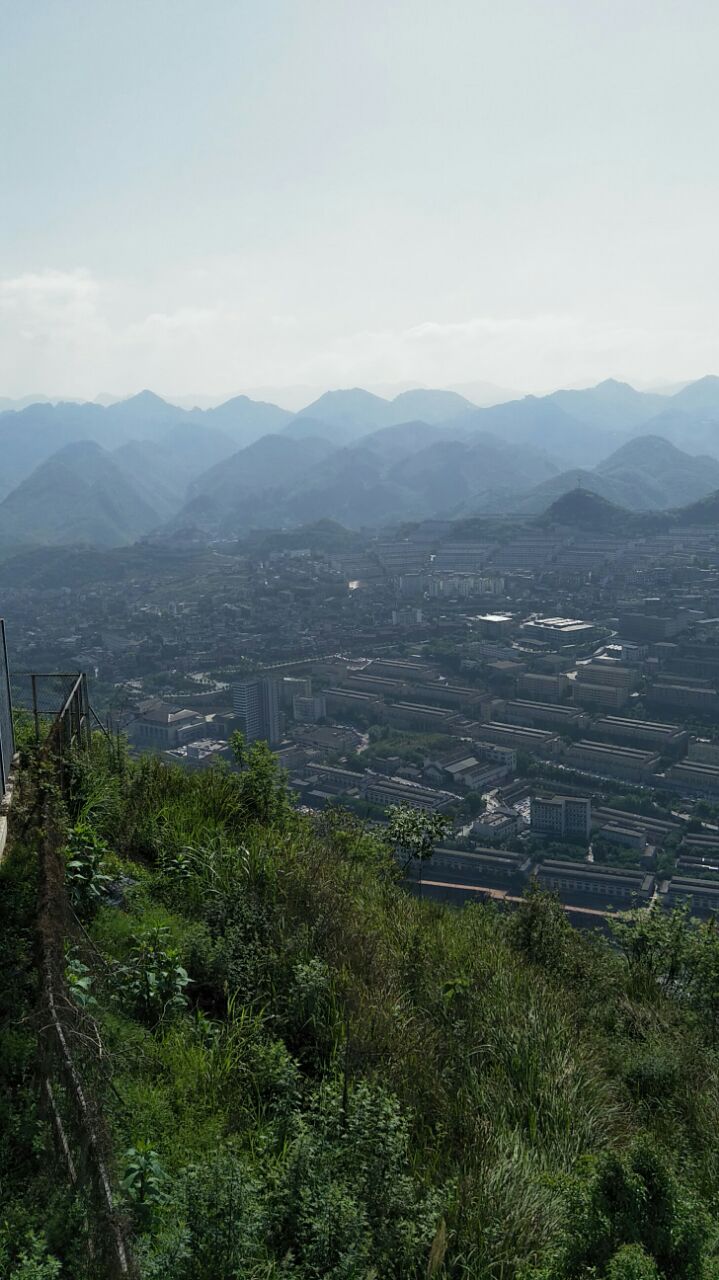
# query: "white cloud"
{"type": "Point", "coordinates": [67, 332]}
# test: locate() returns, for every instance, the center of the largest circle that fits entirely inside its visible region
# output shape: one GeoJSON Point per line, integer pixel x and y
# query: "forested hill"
{"type": "Point", "coordinates": [314, 1074]}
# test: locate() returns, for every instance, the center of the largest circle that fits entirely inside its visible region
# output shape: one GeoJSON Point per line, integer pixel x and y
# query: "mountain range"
{"type": "Point", "coordinates": [106, 475]}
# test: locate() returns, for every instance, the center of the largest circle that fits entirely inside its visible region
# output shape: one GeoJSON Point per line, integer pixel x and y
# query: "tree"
{"type": "Point", "coordinates": [261, 784]}
{"type": "Point", "coordinates": [655, 942]}
{"type": "Point", "coordinates": [414, 834]}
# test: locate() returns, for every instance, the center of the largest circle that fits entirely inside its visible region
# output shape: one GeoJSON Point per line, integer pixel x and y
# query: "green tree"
{"type": "Point", "coordinates": [655, 942]}
{"type": "Point", "coordinates": [414, 834]}
{"type": "Point", "coordinates": [261, 783]}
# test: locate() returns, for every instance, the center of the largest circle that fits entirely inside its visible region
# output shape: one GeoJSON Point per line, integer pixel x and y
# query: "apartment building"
{"type": "Point", "coordinates": [542, 688]}
{"type": "Point", "coordinates": [462, 697]}
{"type": "Point", "coordinates": [607, 671]}
{"type": "Point", "coordinates": [604, 696]}
{"type": "Point", "coordinates": [563, 817]}
{"type": "Point", "coordinates": [257, 702]}
{"type": "Point", "coordinates": [309, 707]}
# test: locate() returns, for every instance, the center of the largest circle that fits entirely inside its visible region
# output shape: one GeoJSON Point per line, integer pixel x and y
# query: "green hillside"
{"type": "Point", "coordinates": [313, 1074]}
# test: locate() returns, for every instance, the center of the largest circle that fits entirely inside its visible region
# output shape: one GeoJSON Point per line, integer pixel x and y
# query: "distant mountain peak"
{"type": "Point", "coordinates": [144, 399]}
{"type": "Point", "coordinates": [584, 509]}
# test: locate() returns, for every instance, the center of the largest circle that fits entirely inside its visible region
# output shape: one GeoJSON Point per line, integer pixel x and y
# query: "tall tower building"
{"type": "Point", "coordinates": [257, 701]}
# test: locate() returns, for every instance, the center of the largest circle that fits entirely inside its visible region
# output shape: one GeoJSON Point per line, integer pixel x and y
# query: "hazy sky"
{"type": "Point", "coordinates": [215, 195]}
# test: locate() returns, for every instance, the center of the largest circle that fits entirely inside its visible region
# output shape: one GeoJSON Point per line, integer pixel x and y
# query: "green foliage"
{"type": "Point", "coordinates": [34, 1262]}
{"type": "Point", "coordinates": [84, 869]}
{"type": "Point", "coordinates": [144, 1179]}
{"type": "Point", "coordinates": [152, 981]}
{"type": "Point", "coordinates": [79, 983]}
{"type": "Point", "coordinates": [357, 1083]}
{"type": "Point", "coordinates": [414, 833]}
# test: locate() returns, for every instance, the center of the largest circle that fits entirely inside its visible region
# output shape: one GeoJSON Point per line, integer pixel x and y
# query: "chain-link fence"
{"type": "Point", "coordinates": [42, 695]}
{"type": "Point", "coordinates": [7, 745]}
{"type": "Point", "coordinates": [72, 1065]}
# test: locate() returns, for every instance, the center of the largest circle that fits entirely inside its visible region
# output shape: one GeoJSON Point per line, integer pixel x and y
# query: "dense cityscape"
{"type": "Point", "coordinates": [552, 690]}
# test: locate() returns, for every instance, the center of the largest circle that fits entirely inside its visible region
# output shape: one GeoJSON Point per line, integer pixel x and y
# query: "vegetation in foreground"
{"type": "Point", "coordinates": [316, 1075]}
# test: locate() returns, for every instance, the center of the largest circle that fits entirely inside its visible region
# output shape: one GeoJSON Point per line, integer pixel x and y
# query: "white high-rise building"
{"type": "Point", "coordinates": [257, 701]}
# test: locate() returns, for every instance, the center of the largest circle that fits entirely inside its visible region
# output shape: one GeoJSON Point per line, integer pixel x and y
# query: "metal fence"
{"type": "Point", "coordinates": [7, 743]}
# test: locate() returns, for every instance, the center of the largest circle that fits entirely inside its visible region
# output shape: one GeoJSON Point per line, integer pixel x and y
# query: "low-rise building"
{"type": "Point", "coordinates": [522, 738]}
{"type": "Point", "coordinates": [497, 824]}
{"type": "Point", "coordinates": [327, 740]}
{"type": "Point", "coordinates": [665, 738]}
{"type": "Point", "coordinates": [685, 697]}
{"type": "Point", "coordinates": [338, 781]}
{"type": "Point", "coordinates": [629, 837]}
{"type": "Point", "coordinates": [163, 726]}
{"type": "Point", "coordinates": [559, 632]}
{"type": "Point", "coordinates": [541, 715]}
{"type": "Point", "coordinates": [703, 751]}
{"type": "Point", "coordinates": [628, 763]}
{"type": "Point", "coordinates": [468, 771]}
{"type": "Point", "coordinates": [702, 896]}
{"type": "Point", "coordinates": [480, 867]}
{"type": "Point", "coordinates": [416, 715]}
{"type": "Point", "coordinates": [338, 700]}
{"type": "Point", "coordinates": [396, 791]}
{"type": "Point", "coordinates": [690, 775]}
{"type": "Point", "coordinates": [497, 753]}
{"type": "Point", "coordinates": [611, 886]}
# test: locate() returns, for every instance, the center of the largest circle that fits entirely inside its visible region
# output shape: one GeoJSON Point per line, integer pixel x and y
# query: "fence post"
{"type": "Point", "coordinates": [35, 712]}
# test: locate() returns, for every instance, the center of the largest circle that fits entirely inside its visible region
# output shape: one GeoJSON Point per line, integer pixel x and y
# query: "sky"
{"type": "Point", "coordinates": [214, 196]}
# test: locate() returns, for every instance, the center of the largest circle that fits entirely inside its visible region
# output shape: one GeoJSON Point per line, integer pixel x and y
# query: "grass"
{"type": "Point", "coordinates": [394, 1086]}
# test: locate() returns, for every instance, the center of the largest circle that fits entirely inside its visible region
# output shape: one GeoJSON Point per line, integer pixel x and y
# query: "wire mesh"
{"type": "Point", "coordinates": [7, 746]}
{"type": "Point", "coordinates": [44, 693]}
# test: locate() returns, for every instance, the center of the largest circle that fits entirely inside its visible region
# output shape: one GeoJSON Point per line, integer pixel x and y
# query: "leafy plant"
{"type": "Point", "coordinates": [84, 869]}
{"type": "Point", "coordinates": [144, 1179]}
{"type": "Point", "coordinates": [152, 982]}
{"type": "Point", "coordinates": [79, 981]}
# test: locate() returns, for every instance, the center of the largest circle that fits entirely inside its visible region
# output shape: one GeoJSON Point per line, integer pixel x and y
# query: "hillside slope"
{"type": "Point", "coordinates": [323, 1076]}
{"type": "Point", "coordinates": [79, 495]}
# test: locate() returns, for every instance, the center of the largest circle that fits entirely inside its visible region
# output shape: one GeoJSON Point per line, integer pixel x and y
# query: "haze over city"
{"type": "Point", "coordinates": [282, 198]}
